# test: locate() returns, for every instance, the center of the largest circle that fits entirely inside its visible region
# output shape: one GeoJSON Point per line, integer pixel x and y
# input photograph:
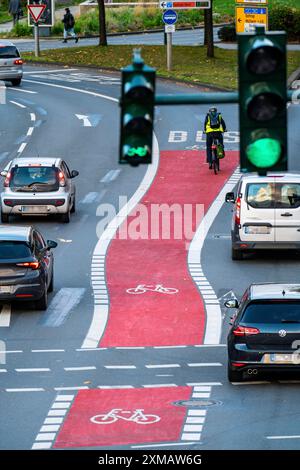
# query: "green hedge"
{"type": "Point", "coordinates": [287, 19]}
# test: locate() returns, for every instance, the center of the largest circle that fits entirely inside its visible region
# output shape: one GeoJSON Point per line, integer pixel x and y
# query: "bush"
{"type": "Point", "coordinates": [283, 18]}
{"type": "Point", "coordinates": [22, 29]}
{"type": "Point", "coordinates": [227, 33]}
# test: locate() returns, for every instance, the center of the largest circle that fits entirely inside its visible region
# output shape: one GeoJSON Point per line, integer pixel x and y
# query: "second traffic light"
{"type": "Point", "coordinates": [262, 101]}
{"type": "Point", "coordinates": [137, 112]}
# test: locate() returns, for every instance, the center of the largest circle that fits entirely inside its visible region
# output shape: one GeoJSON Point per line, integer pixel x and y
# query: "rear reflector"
{"type": "Point", "coordinates": [24, 295]}
{"type": "Point", "coordinates": [8, 202]}
{"type": "Point", "coordinates": [238, 364]}
{"type": "Point", "coordinates": [245, 331]}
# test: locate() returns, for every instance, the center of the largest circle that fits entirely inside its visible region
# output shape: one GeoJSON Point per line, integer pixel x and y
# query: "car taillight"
{"type": "Point", "coordinates": [7, 180]}
{"type": "Point", "coordinates": [8, 202]}
{"type": "Point", "coordinates": [245, 331]}
{"type": "Point", "coordinates": [61, 178]}
{"type": "Point", "coordinates": [59, 202]}
{"type": "Point", "coordinates": [31, 265]}
{"type": "Point", "coordinates": [18, 62]}
{"type": "Point", "coordinates": [238, 211]}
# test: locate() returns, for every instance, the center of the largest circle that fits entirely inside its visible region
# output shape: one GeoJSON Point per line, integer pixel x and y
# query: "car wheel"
{"type": "Point", "coordinates": [51, 285]}
{"type": "Point", "coordinates": [73, 206]}
{"type": "Point", "coordinates": [66, 217]}
{"type": "Point", "coordinates": [4, 218]}
{"type": "Point", "coordinates": [236, 255]}
{"type": "Point", "coordinates": [234, 375]}
{"type": "Point", "coordinates": [42, 303]}
{"type": "Point", "coordinates": [16, 82]}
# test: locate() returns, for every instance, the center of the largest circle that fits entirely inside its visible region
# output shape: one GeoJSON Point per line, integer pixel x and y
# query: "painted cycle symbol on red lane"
{"type": "Point", "coordinates": [115, 414]}
{"type": "Point", "coordinates": [143, 288]}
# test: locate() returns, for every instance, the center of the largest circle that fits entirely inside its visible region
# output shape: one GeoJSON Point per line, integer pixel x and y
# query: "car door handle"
{"type": "Point", "coordinates": [286, 214]}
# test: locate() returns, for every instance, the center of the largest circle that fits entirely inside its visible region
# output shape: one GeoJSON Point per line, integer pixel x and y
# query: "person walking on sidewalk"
{"type": "Point", "coordinates": [69, 23]}
{"type": "Point", "coordinates": [14, 9]}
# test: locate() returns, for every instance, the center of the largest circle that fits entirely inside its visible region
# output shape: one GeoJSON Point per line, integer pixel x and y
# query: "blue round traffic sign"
{"type": "Point", "coordinates": [169, 17]}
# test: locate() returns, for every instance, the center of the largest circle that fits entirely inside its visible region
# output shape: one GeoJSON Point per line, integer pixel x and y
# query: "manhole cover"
{"type": "Point", "coordinates": [197, 403]}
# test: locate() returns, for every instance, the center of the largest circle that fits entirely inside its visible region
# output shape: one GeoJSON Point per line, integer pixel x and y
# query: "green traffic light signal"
{"type": "Point", "coordinates": [262, 101]}
{"type": "Point", "coordinates": [137, 112]}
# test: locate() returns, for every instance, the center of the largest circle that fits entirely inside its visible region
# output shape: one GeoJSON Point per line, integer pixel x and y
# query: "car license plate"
{"type": "Point", "coordinates": [282, 358]}
{"type": "Point", "coordinates": [33, 209]}
{"type": "Point", "coordinates": [257, 229]}
{"type": "Point", "coordinates": [5, 290]}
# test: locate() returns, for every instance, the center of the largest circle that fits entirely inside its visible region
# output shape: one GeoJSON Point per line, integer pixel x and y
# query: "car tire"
{"type": "Point", "coordinates": [42, 303]}
{"type": "Point", "coordinates": [234, 375]}
{"type": "Point", "coordinates": [236, 255]}
{"type": "Point", "coordinates": [16, 82]}
{"type": "Point", "coordinates": [4, 218]}
{"type": "Point", "coordinates": [51, 285]}
{"type": "Point", "coordinates": [65, 218]}
{"type": "Point", "coordinates": [73, 206]}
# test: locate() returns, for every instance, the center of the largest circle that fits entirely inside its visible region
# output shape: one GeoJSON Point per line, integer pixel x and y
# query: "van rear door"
{"type": "Point", "coordinates": [287, 212]}
{"type": "Point", "coordinates": [257, 218]}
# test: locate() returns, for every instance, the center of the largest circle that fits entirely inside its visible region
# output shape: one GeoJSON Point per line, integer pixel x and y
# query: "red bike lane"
{"type": "Point", "coordinates": [154, 317]}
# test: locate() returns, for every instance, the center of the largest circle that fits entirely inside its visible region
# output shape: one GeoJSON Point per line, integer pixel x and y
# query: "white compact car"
{"type": "Point", "coordinates": [38, 186]}
{"type": "Point", "coordinates": [266, 213]}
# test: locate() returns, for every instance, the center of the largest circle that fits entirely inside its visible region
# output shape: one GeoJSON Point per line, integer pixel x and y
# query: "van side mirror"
{"type": "Point", "coordinates": [232, 303]}
{"type": "Point", "coordinates": [230, 197]}
{"type": "Point", "coordinates": [74, 173]}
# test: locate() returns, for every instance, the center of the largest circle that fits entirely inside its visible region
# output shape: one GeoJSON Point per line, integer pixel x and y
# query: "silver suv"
{"type": "Point", "coordinates": [11, 64]}
{"type": "Point", "coordinates": [38, 186]}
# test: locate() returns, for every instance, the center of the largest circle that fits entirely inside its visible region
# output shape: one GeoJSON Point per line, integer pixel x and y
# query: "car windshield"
{"type": "Point", "coordinates": [8, 52]}
{"type": "Point", "coordinates": [272, 312]}
{"type": "Point", "coordinates": [34, 179]}
{"type": "Point", "coordinates": [14, 250]}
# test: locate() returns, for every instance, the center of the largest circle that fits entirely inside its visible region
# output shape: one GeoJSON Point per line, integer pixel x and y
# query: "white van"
{"type": "Point", "coordinates": [266, 214]}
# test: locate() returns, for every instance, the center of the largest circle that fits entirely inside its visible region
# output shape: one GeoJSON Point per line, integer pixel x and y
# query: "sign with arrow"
{"type": "Point", "coordinates": [185, 4]}
{"type": "Point", "coordinates": [36, 11]}
{"type": "Point", "coordinates": [247, 18]}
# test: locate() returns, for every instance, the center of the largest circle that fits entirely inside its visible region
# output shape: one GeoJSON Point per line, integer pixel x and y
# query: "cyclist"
{"type": "Point", "coordinates": [214, 127]}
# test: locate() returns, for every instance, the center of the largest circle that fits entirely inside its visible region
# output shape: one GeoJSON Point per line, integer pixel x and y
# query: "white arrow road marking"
{"type": "Point", "coordinates": [5, 315]}
{"type": "Point", "coordinates": [89, 120]}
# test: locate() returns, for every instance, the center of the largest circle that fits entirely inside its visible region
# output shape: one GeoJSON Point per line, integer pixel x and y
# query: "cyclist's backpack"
{"type": "Point", "coordinates": [214, 120]}
{"type": "Point", "coordinates": [220, 151]}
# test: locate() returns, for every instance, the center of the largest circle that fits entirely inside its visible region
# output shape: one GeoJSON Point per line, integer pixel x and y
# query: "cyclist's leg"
{"type": "Point", "coordinates": [209, 140]}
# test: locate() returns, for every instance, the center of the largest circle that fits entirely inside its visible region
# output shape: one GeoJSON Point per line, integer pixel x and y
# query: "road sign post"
{"type": "Point", "coordinates": [35, 12]}
{"type": "Point", "coordinates": [169, 18]}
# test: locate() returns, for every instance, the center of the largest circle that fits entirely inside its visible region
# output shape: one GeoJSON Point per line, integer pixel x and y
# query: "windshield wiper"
{"type": "Point", "coordinates": [36, 182]}
{"type": "Point", "coordinates": [290, 321]}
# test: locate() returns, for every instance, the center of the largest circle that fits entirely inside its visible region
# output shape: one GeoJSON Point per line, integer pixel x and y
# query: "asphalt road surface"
{"type": "Point", "coordinates": [77, 375]}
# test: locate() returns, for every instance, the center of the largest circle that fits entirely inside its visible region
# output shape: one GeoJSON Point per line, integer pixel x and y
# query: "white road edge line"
{"type": "Point", "coordinates": [17, 104]}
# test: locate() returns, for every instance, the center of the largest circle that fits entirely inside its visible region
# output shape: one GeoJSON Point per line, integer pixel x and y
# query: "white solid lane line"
{"type": "Point", "coordinates": [5, 315]}
{"type": "Point", "coordinates": [22, 91]}
{"type": "Point", "coordinates": [48, 71]}
{"type": "Point", "coordinates": [18, 104]}
{"type": "Point", "coordinates": [284, 437]}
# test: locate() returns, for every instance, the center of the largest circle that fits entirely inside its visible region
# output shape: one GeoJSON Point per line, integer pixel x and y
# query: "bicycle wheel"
{"type": "Point", "coordinates": [135, 290]}
{"type": "Point", "coordinates": [215, 164]}
{"type": "Point", "coordinates": [100, 419]}
{"type": "Point", "coordinates": [148, 419]}
{"type": "Point", "coordinates": [168, 290]}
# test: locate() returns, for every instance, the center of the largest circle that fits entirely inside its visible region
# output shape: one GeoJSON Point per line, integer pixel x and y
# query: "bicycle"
{"type": "Point", "coordinates": [137, 417]}
{"type": "Point", "coordinates": [142, 288]}
{"type": "Point", "coordinates": [214, 153]}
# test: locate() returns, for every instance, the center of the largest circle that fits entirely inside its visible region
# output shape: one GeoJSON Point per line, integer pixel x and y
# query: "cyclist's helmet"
{"type": "Point", "coordinates": [213, 110]}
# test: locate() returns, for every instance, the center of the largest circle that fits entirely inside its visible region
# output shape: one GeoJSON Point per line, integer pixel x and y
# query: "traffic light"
{"type": "Point", "coordinates": [263, 101]}
{"type": "Point", "coordinates": [137, 112]}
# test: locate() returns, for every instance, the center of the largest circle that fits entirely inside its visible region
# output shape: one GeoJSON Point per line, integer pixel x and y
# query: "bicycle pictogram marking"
{"type": "Point", "coordinates": [115, 414]}
{"type": "Point", "coordinates": [143, 288]}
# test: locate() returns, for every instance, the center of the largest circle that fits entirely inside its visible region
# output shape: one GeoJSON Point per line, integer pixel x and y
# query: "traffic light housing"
{"type": "Point", "coordinates": [137, 112]}
{"type": "Point", "coordinates": [263, 101]}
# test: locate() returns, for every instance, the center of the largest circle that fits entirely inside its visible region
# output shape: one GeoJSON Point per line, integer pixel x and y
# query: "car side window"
{"type": "Point", "coordinates": [38, 242]}
{"type": "Point", "coordinates": [66, 170]}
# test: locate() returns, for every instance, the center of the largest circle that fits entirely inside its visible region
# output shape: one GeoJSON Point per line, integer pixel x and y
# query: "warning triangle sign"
{"type": "Point", "coordinates": [36, 11]}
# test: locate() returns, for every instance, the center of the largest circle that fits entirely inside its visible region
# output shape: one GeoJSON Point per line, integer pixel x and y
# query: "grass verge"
{"type": "Point", "coordinates": [189, 63]}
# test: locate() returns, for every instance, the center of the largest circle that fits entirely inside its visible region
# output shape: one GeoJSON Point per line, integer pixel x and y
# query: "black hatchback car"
{"type": "Point", "coordinates": [265, 331]}
{"type": "Point", "coordinates": [26, 266]}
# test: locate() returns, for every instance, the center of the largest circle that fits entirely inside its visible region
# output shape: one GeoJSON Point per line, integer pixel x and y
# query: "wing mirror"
{"type": "Point", "coordinates": [230, 197]}
{"type": "Point", "coordinates": [51, 244]}
{"type": "Point", "coordinates": [4, 173]}
{"type": "Point", "coordinates": [74, 173]}
{"type": "Point", "coordinates": [233, 303]}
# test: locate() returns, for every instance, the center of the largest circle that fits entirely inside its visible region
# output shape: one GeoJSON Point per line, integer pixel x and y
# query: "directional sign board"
{"type": "Point", "coordinates": [261, 2]}
{"type": "Point", "coordinates": [46, 19]}
{"type": "Point", "coordinates": [184, 5]}
{"type": "Point", "coordinates": [247, 18]}
{"type": "Point", "coordinates": [169, 17]}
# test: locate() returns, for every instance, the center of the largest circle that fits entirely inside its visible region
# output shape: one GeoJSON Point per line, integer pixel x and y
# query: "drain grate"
{"type": "Point", "coordinates": [197, 403]}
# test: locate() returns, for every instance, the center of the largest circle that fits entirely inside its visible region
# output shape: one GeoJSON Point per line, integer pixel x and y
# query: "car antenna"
{"type": "Point", "coordinates": [283, 292]}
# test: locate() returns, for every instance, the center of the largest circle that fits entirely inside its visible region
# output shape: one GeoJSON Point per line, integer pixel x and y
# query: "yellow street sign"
{"type": "Point", "coordinates": [247, 18]}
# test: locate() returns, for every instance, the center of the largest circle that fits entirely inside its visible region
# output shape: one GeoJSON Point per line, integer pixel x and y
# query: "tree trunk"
{"type": "Point", "coordinates": [210, 32]}
{"type": "Point", "coordinates": [205, 26]}
{"type": "Point", "coordinates": [102, 24]}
